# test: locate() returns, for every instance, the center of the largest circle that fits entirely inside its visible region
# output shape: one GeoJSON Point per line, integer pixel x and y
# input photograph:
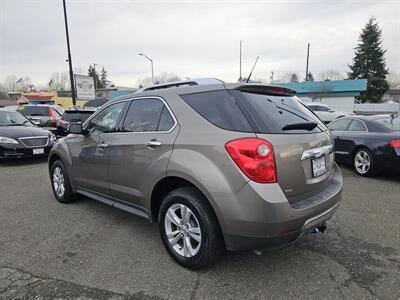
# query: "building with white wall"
{"type": "Point", "coordinates": [339, 94]}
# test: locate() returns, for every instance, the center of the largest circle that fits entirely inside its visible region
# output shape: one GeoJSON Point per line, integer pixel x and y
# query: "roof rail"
{"type": "Point", "coordinates": [198, 81]}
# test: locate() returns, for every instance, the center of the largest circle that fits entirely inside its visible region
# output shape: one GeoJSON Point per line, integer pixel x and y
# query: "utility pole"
{"type": "Point", "coordinates": [240, 63]}
{"type": "Point", "coordinates": [308, 57]}
{"type": "Point", "coordinates": [71, 73]}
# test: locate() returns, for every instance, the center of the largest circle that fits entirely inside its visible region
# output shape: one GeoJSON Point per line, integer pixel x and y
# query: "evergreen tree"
{"type": "Point", "coordinates": [294, 77]}
{"type": "Point", "coordinates": [369, 62]}
{"type": "Point", "coordinates": [103, 77]}
{"type": "Point", "coordinates": [92, 72]}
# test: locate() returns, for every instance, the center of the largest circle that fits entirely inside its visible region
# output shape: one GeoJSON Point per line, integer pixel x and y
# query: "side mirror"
{"type": "Point", "coordinates": [75, 128]}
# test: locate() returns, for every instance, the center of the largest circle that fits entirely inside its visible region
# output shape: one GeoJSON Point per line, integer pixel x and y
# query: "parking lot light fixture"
{"type": "Point", "coordinates": [151, 61]}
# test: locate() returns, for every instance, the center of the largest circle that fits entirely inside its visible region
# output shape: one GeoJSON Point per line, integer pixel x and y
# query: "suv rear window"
{"type": "Point", "coordinates": [33, 110]}
{"type": "Point", "coordinates": [80, 116]}
{"type": "Point", "coordinates": [219, 108]}
{"type": "Point", "coordinates": [273, 113]}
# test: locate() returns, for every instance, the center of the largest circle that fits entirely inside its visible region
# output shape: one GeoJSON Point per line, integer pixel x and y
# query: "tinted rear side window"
{"type": "Point", "coordinates": [219, 108]}
{"type": "Point", "coordinates": [339, 125]}
{"type": "Point", "coordinates": [166, 121]}
{"type": "Point", "coordinates": [275, 112]}
{"type": "Point", "coordinates": [33, 110]}
{"type": "Point", "coordinates": [357, 126]}
{"type": "Point", "coordinates": [147, 115]}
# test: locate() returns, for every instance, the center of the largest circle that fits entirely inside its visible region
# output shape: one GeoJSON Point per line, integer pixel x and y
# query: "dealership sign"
{"type": "Point", "coordinates": [84, 87]}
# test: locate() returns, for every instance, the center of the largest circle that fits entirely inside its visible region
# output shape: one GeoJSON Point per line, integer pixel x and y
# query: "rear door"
{"type": "Point", "coordinates": [140, 152]}
{"type": "Point", "coordinates": [302, 144]}
{"type": "Point", "coordinates": [339, 132]}
{"type": "Point", "coordinates": [355, 132]}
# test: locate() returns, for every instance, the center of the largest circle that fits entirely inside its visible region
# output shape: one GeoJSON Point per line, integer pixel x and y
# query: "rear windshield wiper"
{"type": "Point", "coordinates": [306, 126]}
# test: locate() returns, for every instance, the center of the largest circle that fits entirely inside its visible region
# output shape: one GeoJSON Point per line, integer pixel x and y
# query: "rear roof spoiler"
{"type": "Point", "coordinates": [266, 89]}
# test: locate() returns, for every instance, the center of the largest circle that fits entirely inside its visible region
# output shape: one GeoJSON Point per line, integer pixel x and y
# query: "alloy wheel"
{"type": "Point", "coordinates": [183, 230]}
{"type": "Point", "coordinates": [362, 162]}
{"type": "Point", "coordinates": [58, 182]}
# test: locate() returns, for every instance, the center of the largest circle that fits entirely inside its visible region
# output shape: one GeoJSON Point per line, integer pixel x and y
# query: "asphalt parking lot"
{"type": "Point", "coordinates": [89, 250]}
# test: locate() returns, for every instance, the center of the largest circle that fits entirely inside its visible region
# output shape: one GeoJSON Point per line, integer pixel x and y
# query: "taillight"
{"type": "Point", "coordinates": [52, 119]}
{"type": "Point", "coordinates": [255, 157]}
{"type": "Point", "coordinates": [395, 143]}
{"type": "Point", "coordinates": [62, 122]}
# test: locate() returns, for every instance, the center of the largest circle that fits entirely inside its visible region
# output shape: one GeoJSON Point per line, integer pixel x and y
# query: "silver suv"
{"type": "Point", "coordinates": [220, 166]}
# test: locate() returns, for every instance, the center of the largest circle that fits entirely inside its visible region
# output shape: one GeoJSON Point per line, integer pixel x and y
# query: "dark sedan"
{"type": "Point", "coordinates": [19, 137]}
{"type": "Point", "coordinates": [369, 143]}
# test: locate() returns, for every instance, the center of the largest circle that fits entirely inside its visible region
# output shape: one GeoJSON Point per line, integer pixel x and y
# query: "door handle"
{"type": "Point", "coordinates": [154, 143]}
{"type": "Point", "coordinates": [102, 146]}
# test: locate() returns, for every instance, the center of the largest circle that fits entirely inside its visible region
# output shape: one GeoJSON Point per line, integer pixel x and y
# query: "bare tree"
{"type": "Point", "coordinates": [287, 76]}
{"type": "Point", "coordinates": [10, 84]}
{"type": "Point", "coordinates": [393, 78]}
{"type": "Point", "coordinates": [59, 81]}
{"type": "Point", "coordinates": [330, 75]}
{"type": "Point", "coordinates": [14, 84]}
{"type": "Point", "coordinates": [321, 92]}
{"type": "Point", "coordinates": [3, 92]}
{"type": "Point", "coordinates": [162, 78]}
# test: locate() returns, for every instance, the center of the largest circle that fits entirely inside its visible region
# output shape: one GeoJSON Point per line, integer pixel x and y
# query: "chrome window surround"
{"type": "Point", "coordinates": [133, 99]}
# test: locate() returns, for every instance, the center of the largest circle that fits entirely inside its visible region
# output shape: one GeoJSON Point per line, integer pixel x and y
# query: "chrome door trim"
{"type": "Point", "coordinates": [133, 99]}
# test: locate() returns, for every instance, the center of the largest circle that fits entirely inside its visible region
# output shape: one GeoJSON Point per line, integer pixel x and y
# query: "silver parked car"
{"type": "Point", "coordinates": [218, 166]}
{"type": "Point", "coordinates": [326, 113]}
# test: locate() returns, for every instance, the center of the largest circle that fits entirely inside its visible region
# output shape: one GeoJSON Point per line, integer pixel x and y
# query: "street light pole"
{"type": "Point", "coordinates": [151, 61]}
{"type": "Point", "coordinates": [71, 73]}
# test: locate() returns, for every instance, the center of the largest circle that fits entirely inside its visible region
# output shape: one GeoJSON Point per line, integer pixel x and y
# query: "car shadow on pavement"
{"type": "Point", "coordinates": [391, 176]}
{"type": "Point", "coordinates": [22, 161]}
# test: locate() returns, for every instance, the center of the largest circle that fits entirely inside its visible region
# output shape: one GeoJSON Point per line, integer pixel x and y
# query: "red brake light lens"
{"type": "Point", "coordinates": [255, 157]}
{"type": "Point", "coordinates": [52, 119]}
{"type": "Point", "coordinates": [395, 143]}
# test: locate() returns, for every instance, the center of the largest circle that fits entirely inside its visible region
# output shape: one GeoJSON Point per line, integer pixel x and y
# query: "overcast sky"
{"type": "Point", "coordinates": [188, 38]}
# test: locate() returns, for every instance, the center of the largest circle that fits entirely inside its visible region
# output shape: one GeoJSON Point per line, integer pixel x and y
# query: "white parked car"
{"type": "Point", "coordinates": [326, 113]}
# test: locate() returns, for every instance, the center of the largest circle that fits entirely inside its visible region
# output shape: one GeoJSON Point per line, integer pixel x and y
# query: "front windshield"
{"type": "Point", "coordinates": [11, 118]}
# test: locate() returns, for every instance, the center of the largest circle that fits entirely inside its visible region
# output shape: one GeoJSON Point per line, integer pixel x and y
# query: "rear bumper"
{"type": "Point", "coordinates": [236, 243]}
{"type": "Point", "coordinates": [389, 162]}
{"type": "Point", "coordinates": [260, 216]}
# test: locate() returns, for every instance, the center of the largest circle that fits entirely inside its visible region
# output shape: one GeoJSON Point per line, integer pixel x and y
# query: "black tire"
{"type": "Point", "coordinates": [68, 195]}
{"type": "Point", "coordinates": [371, 170]}
{"type": "Point", "coordinates": [212, 245]}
